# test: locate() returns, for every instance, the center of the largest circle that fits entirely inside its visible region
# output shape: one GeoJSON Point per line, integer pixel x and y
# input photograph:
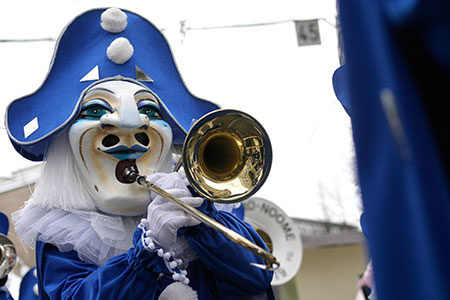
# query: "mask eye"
{"type": "Point", "coordinates": [150, 110]}
{"type": "Point", "coordinates": [93, 112]}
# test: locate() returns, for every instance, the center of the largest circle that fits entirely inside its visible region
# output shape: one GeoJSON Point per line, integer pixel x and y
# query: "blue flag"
{"type": "Point", "coordinates": [394, 85]}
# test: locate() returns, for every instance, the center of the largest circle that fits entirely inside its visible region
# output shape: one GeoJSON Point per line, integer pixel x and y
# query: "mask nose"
{"type": "Point", "coordinates": [126, 117]}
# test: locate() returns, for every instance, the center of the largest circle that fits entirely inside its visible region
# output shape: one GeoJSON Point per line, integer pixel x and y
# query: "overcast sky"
{"type": "Point", "coordinates": [259, 70]}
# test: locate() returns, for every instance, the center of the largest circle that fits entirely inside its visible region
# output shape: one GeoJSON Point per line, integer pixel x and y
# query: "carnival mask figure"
{"type": "Point", "coordinates": [120, 124]}
{"type": "Point", "coordinates": [120, 102]}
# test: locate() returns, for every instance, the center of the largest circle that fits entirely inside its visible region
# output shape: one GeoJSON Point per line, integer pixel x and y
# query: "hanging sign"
{"type": "Point", "coordinates": [308, 32]}
{"type": "Point", "coordinates": [280, 234]}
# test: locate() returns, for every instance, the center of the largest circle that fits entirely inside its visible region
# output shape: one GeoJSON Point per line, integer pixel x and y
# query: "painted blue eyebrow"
{"type": "Point", "coordinates": [100, 102]}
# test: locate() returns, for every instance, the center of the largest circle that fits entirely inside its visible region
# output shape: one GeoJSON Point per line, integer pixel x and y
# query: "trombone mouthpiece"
{"type": "Point", "coordinates": [130, 174]}
{"type": "Point", "coordinates": [127, 171]}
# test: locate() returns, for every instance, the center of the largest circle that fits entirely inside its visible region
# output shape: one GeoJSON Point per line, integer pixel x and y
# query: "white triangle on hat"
{"type": "Point", "coordinates": [31, 127]}
{"type": "Point", "coordinates": [91, 75]}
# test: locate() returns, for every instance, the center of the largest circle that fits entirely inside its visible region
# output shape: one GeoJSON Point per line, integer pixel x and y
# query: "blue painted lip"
{"type": "Point", "coordinates": [123, 152]}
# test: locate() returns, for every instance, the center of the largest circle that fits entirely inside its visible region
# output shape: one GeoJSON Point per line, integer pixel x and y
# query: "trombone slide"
{"type": "Point", "coordinates": [271, 262]}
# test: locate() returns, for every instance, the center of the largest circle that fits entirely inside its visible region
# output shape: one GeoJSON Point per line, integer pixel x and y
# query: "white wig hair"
{"type": "Point", "coordinates": [61, 184]}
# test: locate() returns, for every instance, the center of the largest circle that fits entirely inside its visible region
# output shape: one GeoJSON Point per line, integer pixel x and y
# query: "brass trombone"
{"type": "Point", "coordinates": [226, 157]}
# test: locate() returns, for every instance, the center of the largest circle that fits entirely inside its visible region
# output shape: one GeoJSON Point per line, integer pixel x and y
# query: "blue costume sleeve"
{"type": "Point", "coordinates": [4, 294]}
{"type": "Point", "coordinates": [228, 263]}
{"type": "Point", "coordinates": [132, 275]}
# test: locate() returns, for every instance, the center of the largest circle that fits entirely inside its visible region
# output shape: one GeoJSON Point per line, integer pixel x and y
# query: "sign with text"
{"type": "Point", "coordinates": [308, 32]}
{"type": "Point", "coordinates": [280, 232]}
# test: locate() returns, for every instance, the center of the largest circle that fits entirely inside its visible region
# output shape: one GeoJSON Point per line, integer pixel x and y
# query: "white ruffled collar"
{"type": "Point", "coordinates": [95, 236]}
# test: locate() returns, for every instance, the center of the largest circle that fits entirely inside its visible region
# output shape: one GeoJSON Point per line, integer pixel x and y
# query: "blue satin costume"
{"type": "Point", "coordinates": [222, 270]}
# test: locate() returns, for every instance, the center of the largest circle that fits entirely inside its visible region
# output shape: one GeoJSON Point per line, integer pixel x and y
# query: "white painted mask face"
{"type": "Point", "coordinates": [119, 124]}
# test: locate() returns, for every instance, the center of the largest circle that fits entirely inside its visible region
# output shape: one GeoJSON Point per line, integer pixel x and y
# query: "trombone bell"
{"type": "Point", "coordinates": [219, 156]}
{"type": "Point", "coordinates": [227, 156]}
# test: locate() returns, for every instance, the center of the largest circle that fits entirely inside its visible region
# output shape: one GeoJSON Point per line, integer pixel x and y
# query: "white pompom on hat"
{"type": "Point", "coordinates": [178, 290]}
{"type": "Point", "coordinates": [120, 51]}
{"type": "Point", "coordinates": [113, 20]}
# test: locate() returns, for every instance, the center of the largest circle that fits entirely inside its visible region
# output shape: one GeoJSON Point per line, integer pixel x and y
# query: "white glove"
{"type": "Point", "coordinates": [165, 217]}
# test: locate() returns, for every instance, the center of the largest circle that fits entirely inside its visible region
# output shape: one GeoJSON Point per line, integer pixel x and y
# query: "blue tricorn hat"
{"type": "Point", "coordinates": [101, 45]}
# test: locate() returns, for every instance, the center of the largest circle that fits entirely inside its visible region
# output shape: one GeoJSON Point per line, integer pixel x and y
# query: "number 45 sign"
{"type": "Point", "coordinates": [308, 32]}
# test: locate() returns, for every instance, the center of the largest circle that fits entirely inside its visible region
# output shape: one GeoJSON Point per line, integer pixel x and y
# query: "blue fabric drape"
{"type": "Point", "coordinates": [396, 67]}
